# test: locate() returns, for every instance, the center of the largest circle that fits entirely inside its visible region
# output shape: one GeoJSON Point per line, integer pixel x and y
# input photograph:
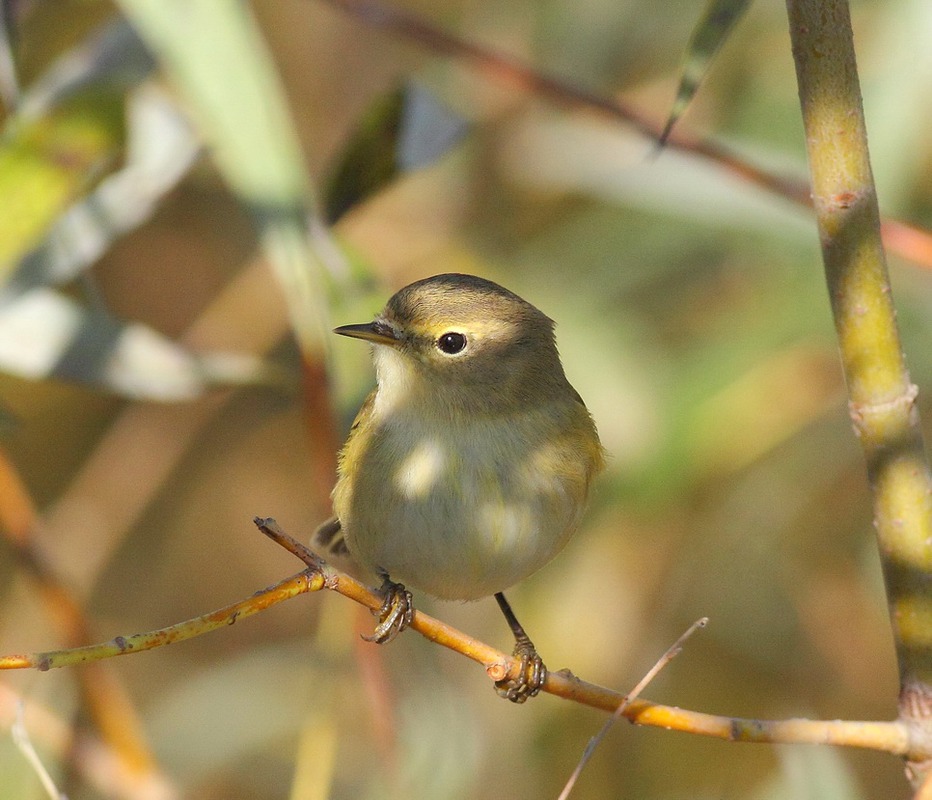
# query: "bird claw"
{"type": "Point", "coordinates": [395, 613]}
{"type": "Point", "coordinates": [531, 676]}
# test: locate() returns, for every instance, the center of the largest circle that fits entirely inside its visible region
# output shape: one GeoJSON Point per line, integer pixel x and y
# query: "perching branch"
{"type": "Point", "coordinates": [882, 398]}
{"type": "Point", "coordinates": [891, 737]}
{"type": "Point", "coordinates": [306, 581]}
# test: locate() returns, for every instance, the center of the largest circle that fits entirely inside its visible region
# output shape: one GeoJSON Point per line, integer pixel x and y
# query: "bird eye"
{"type": "Point", "coordinates": [451, 343]}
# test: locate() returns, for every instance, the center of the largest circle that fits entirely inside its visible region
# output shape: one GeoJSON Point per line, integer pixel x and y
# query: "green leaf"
{"type": "Point", "coordinates": [404, 130]}
{"type": "Point", "coordinates": [368, 162]}
{"type": "Point", "coordinates": [68, 131]}
{"type": "Point", "coordinates": [216, 58]}
{"type": "Point", "coordinates": [46, 163]}
{"type": "Point", "coordinates": [161, 148]}
{"type": "Point", "coordinates": [709, 35]}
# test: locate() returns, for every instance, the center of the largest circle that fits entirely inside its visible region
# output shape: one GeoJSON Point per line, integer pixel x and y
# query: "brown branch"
{"type": "Point", "coordinates": [498, 66]}
{"type": "Point", "coordinates": [890, 737]}
{"type": "Point", "coordinates": [907, 240]}
{"type": "Point", "coordinates": [307, 581]}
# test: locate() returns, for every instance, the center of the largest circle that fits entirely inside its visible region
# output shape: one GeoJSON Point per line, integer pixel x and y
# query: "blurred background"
{"type": "Point", "coordinates": [691, 315]}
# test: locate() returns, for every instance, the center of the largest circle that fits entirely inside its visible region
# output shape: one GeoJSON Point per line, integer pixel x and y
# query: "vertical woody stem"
{"type": "Point", "coordinates": [882, 398]}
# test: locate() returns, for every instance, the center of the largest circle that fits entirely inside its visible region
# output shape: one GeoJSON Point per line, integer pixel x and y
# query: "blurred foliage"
{"type": "Point", "coordinates": [710, 33]}
{"type": "Point", "coordinates": [692, 317]}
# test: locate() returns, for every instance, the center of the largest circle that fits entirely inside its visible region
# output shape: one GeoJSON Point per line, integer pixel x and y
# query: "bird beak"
{"type": "Point", "coordinates": [376, 332]}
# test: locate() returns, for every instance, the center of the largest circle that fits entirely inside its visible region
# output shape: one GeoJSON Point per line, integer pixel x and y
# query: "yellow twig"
{"type": "Point", "coordinates": [306, 581]}
{"type": "Point", "coordinates": [891, 737]}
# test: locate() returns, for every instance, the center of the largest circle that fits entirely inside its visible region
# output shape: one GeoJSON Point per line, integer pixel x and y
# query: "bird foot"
{"type": "Point", "coordinates": [531, 675]}
{"type": "Point", "coordinates": [395, 613]}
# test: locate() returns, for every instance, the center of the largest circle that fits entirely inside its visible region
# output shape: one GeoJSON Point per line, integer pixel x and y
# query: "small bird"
{"type": "Point", "coordinates": [468, 467]}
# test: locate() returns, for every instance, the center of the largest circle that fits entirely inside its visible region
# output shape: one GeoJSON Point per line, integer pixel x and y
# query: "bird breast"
{"type": "Point", "coordinates": [464, 511]}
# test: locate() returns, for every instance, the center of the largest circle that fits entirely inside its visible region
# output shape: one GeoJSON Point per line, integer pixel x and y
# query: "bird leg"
{"type": "Point", "coordinates": [396, 612]}
{"type": "Point", "coordinates": [533, 673]}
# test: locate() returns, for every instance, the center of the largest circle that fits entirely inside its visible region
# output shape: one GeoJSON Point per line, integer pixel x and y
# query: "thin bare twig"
{"type": "Point", "coordinates": [672, 652]}
{"type": "Point", "coordinates": [98, 764]}
{"type": "Point", "coordinates": [24, 745]}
